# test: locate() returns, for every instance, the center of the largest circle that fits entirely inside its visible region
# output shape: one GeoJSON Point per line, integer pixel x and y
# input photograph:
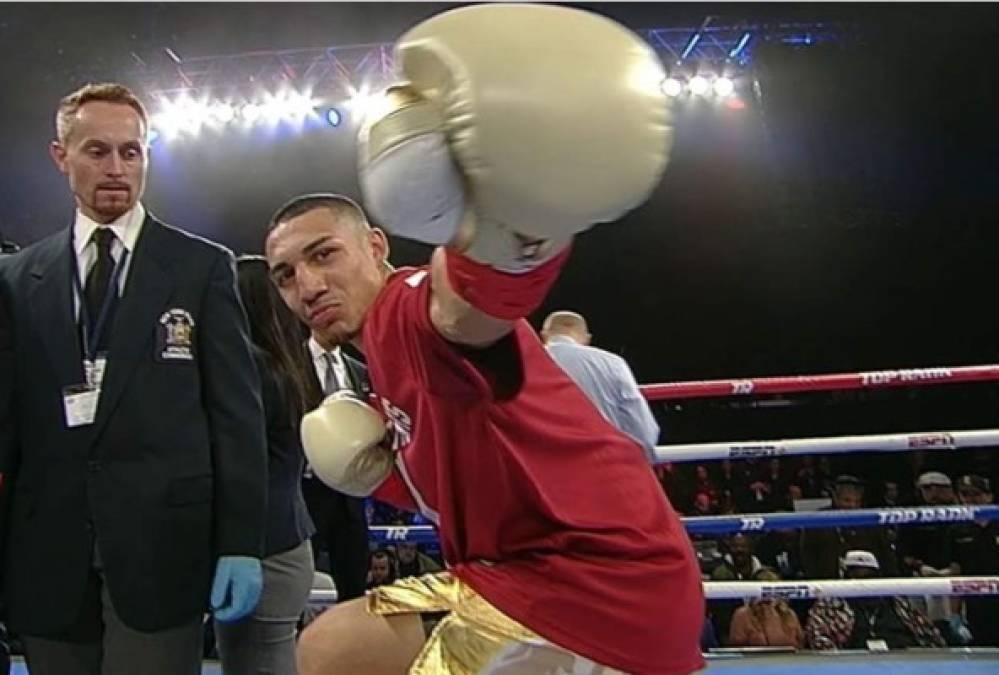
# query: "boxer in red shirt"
{"type": "Point", "coordinates": [562, 550]}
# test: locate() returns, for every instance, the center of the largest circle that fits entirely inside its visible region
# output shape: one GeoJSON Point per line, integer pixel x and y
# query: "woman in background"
{"type": "Point", "coordinates": [264, 642]}
{"type": "Point", "coordinates": [765, 622]}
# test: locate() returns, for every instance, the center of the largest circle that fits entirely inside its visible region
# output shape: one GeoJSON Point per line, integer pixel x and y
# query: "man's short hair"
{"type": "Point", "coordinates": [848, 481]}
{"type": "Point", "coordinates": [339, 205]}
{"type": "Point", "coordinates": [564, 320]}
{"type": "Point", "coordinates": [109, 92]}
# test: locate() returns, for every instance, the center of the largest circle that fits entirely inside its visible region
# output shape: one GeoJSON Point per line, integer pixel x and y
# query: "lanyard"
{"type": "Point", "coordinates": [92, 332]}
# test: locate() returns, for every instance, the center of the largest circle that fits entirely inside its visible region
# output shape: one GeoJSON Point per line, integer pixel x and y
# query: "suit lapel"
{"type": "Point", "coordinates": [52, 309]}
{"type": "Point", "coordinates": [147, 289]}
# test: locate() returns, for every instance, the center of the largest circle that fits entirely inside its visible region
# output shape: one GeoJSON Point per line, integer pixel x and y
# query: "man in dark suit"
{"type": "Point", "coordinates": [140, 489]}
{"type": "Point", "coordinates": [6, 433]}
{"type": "Point", "coordinates": [341, 524]}
{"type": "Point", "coordinates": [822, 550]}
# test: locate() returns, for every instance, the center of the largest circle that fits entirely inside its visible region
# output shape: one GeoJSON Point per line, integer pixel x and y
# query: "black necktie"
{"type": "Point", "coordinates": [98, 281]}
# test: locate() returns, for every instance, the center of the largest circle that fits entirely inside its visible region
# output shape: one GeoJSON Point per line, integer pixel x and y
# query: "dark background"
{"type": "Point", "coordinates": [844, 221]}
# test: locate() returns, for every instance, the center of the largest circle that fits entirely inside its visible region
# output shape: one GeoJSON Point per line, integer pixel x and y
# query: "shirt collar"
{"type": "Point", "coordinates": [126, 228]}
{"type": "Point", "coordinates": [562, 340]}
{"type": "Point", "coordinates": [318, 353]}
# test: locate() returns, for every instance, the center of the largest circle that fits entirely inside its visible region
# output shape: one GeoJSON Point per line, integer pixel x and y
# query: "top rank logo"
{"type": "Point", "coordinates": [886, 377]}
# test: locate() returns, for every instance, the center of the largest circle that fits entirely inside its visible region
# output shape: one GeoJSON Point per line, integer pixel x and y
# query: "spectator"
{"type": "Point", "coordinates": [776, 477]}
{"type": "Point", "coordinates": [704, 485]}
{"type": "Point", "coordinates": [140, 494]}
{"type": "Point", "coordinates": [739, 564]}
{"type": "Point", "coordinates": [974, 550]}
{"type": "Point", "coordinates": [703, 506]}
{"type": "Point", "coordinates": [865, 623]}
{"type": "Point", "coordinates": [727, 479]}
{"type": "Point", "coordinates": [604, 377]}
{"type": "Point", "coordinates": [779, 550]}
{"type": "Point", "coordinates": [736, 479]}
{"type": "Point", "coordinates": [808, 479]}
{"type": "Point", "coordinates": [821, 550]}
{"type": "Point", "coordinates": [383, 568]}
{"type": "Point", "coordinates": [265, 640]}
{"type": "Point", "coordinates": [764, 487]}
{"type": "Point", "coordinates": [922, 554]}
{"type": "Point", "coordinates": [765, 622]}
{"type": "Point", "coordinates": [824, 476]}
{"type": "Point", "coordinates": [672, 482]}
{"type": "Point", "coordinates": [413, 562]}
{"type": "Point", "coordinates": [890, 496]}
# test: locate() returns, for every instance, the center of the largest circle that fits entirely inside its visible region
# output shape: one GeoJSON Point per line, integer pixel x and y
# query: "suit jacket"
{"type": "Point", "coordinates": [6, 408]}
{"type": "Point", "coordinates": [821, 550]}
{"type": "Point", "coordinates": [171, 474]}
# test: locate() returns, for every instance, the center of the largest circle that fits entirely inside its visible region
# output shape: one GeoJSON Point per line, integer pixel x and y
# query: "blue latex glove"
{"type": "Point", "coordinates": [236, 589]}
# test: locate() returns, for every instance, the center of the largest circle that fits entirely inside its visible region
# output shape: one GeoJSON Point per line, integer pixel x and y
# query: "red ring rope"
{"type": "Point", "coordinates": [878, 379]}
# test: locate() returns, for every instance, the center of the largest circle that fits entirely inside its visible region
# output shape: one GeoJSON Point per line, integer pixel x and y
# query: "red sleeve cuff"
{"type": "Point", "coordinates": [501, 294]}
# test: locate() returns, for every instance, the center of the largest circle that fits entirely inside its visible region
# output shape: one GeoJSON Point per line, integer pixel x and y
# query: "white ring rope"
{"type": "Point", "coordinates": [930, 440]}
{"type": "Point", "coordinates": [831, 588]}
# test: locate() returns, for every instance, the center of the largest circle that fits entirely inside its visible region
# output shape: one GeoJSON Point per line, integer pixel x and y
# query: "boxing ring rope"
{"type": "Point", "coordinates": [760, 522]}
{"type": "Point", "coordinates": [851, 588]}
{"type": "Point", "coordinates": [930, 440]}
{"type": "Point", "coordinates": [805, 590]}
{"type": "Point", "coordinates": [792, 384]}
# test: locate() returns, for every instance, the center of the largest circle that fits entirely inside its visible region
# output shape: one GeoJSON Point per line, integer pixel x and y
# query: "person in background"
{"type": "Point", "coordinates": [383, 568]}
{"type": "Point", "coordinates": [739, 564]}
{"type": "Point", "coordinates": [413, 562]}
{"type": "Point", "coordinates": [923, 555]}
{"type": "Point", "coordinates": [890, 495]}
{"type": "Point", "coordinates": [6, 437]}
{"type": "Point", "coordinates": [974, 550]}
{"type": "Point", "coordinates": [765, 622]}
{"type": "Point", "coordinates": [821, 550]}
{"type": "Point", "coordinates": [264, 641]}
{"type": "Point", "coordinates": [604, 377]}
{"type": "Point", "coordinates": [868, 623]}
{"type": "Point", "coordinates": [139, 497]}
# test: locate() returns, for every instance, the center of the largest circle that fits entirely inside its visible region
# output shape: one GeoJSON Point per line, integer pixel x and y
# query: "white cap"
{"type": "Point", "coordinates": [860, 559]}
{"type": "Point", "coordinates": [933, 478]}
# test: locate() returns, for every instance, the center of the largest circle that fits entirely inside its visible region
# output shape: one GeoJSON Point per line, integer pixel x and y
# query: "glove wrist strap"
{"type": "Point", "coordinates": [503, 295]}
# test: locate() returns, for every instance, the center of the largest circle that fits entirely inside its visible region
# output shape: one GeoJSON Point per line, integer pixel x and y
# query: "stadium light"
{"type": "Point", "coordinates": [672, 86]}
{"type": "Point", "coordinates": [364, 104]}
{"type": "Point", "coordinates": [699, 86]}
{"type": "Point", "coordinates": [723, 87]}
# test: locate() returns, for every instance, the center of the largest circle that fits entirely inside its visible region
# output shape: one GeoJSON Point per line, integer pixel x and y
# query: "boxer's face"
{"type": "Point", "coordinates": [328, 269]}
{"type": "Point", "coordinates": [104, 157]}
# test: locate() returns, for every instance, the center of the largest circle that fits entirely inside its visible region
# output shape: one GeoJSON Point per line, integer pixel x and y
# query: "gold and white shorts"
{"type": "Point", "coordinates": [473, 637]}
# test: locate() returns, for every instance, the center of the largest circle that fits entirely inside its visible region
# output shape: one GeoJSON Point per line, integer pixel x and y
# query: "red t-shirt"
{"type": "Point", "coordinates": [542, 506]}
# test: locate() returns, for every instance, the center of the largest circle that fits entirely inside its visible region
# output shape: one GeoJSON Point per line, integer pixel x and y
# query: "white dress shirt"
{"type": "Point", "coordinates": [126, 233]}
{"type": "Point", "coordinates": [608, 382]}
{"type": "Point", "coordinates": [319, 363]}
